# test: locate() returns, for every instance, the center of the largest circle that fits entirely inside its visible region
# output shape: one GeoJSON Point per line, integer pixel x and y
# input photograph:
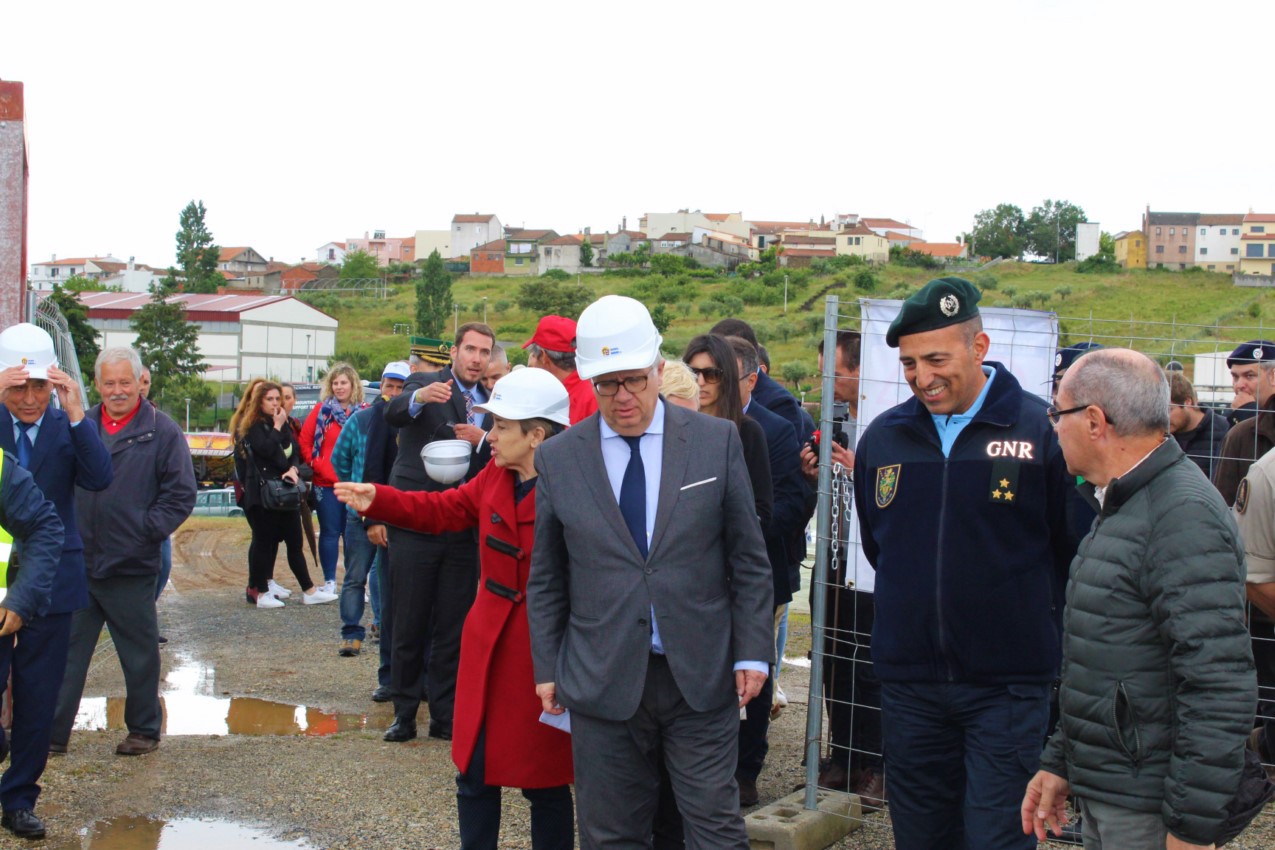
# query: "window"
{"type": "Point", "coordinates": [1157, 231]}
{"type": "Point", "coordinates": [858, 240]}
{"type": "Point", "coordinates": [1270, 250]}
{"type": "Point", "coordinates": [1259, 228]}
{"type": "Point", "coordinates": [1212, 268]}
{"type": "Point", "coordinates": [1235, 231]}
{"type": "Point", "coordinates": [1181, 249]}
{"type": "Point", "coordinates": [1235, 250]}
{"type": "Point", "coordinates": [53, 272]}
{"type": "Point", "coordinates": [1204, 231]}
{"type": "Point", "coordinates": [1252, 250]}
{"type": "Point", "coordinates": [1137, 243]}
{"type": "Point", "coordinates": [1182, 267]}
{"type": "Point", "coordinates": [518, 261]}
{"type": "Point", "coordinates": [1202, 250]}
{"type": "Point", "coordinates": [1221, 231]}
{"type": "Point", "coordinates": [1159, 249]}
{"type": "Point", "coordinates": [1172, 231]}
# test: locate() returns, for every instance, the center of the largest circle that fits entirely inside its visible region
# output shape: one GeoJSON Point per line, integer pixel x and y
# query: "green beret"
{"type": "Point", "coordinates": [431, 350]}
{"type": "Point", "coordinates": [941, 302]}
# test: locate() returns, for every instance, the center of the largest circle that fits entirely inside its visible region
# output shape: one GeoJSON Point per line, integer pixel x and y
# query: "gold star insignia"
{"type": "Point", "coordinates": [1005, 483]}
{"type": "Point", "coordinates": [1009, 497]}
{"type": "Point", "coordinates": [996, 494]}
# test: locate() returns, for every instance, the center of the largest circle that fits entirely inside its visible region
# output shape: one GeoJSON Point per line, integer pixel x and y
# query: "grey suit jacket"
{"type": "Point", "coordinates": [590, 592]}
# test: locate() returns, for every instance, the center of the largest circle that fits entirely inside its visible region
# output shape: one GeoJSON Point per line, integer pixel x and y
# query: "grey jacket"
{"type": "Point", "coordinates": [1158, 689]}
{"type": "Point", "coordinates": [151, 495]}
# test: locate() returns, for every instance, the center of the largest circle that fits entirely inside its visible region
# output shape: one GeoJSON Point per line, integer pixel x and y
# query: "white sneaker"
{"type": "Point", "coordinates": [329, 587]}
{"type": "Point", "coordinates": [319, 597]}
{"type": "Point", "coordinates": [278, 591]}
{"type": "Point", "coordinates": [265, 600]}
{"type": "Point", "coordinates": [780, 702]}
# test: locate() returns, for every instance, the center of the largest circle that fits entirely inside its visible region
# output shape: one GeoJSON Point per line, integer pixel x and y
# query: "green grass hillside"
{"type": "Point", "coordinates": [1163, 313]}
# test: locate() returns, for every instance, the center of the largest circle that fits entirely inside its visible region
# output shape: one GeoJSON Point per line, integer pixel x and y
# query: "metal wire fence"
{"type": "Point", "coordinates": [843, 740]}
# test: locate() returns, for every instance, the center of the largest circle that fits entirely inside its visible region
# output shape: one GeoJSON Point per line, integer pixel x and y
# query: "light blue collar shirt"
{"type": "Point", "coordinates": [950, 427]}
{"type": "Point", "coordinates": [32, 431]}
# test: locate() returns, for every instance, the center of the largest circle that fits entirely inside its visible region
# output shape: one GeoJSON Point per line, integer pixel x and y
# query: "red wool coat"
{"type": "Point", "coordinates": [495, 686]}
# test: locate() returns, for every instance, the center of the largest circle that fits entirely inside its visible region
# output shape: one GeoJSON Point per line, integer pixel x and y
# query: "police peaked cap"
{"type": "Point", "coordinates": [1257, 351]}
{"type": "Point", "coordinates": [941, 302]}
{"type": "Point", "coordinates": [1066, 356]}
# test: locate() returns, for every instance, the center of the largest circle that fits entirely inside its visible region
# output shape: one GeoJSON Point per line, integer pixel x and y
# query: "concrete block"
{"type": "Point", "coordinates": [787, 825]}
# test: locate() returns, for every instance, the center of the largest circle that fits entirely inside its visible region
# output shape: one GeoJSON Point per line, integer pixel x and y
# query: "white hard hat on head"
{"type": "Point", "coordinates": [398, 369]}
{"type": "Point", "coordinates": [615, 334]}
{"type": "Point", "coordinates": [529, 394]}
{"type": "Point", "coordinates": [30, 347]}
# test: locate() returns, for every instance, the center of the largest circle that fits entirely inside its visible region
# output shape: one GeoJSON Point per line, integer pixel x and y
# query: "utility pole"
{"type": "Point", "coordinates": [484, 309]}
{"type": "Point", "coordinates": [785, 293]}
{"type": "Point", "coordinates": [187, 416]}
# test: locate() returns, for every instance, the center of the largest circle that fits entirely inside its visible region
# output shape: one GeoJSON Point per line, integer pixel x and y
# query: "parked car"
{"type": "Point", "coordinates": [216, 503]}
{"type": "Point", "coordinates": [307, 398]}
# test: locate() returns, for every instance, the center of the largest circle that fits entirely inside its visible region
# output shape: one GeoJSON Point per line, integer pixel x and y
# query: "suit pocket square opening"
{"type": "Point", "coordinates": [697, 483]}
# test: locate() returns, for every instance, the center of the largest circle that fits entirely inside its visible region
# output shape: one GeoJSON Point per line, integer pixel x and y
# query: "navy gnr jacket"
{"type": "Point", "coordinates": [971, 551]}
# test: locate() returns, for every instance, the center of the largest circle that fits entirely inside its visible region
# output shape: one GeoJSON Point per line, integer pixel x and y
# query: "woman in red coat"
{"type": "Point", "coordinates": [498, 739]}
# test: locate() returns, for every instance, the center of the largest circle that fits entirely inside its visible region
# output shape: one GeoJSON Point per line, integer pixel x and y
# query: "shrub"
{"type": "Point", "coordinates": [557, 274]}
{"type": "Point", "coordinates": [986, 281]}
{"type": "Point", "coordinates": [867, 279]}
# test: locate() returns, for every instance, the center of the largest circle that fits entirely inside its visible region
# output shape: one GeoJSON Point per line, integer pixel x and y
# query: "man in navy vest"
{"type": "Point", "coordinates": [60, 454]}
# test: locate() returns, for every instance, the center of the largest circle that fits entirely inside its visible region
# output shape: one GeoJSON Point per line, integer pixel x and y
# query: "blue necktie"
{"type": "Point", "coordinates": [633, 494]}
{"type": "Point", "coordinates": [24, 444]}
{"type": "Point", "coordinates": [469, 406]}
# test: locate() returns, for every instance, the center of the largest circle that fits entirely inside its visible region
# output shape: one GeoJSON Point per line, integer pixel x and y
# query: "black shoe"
{"type": "Point", "coordinates": [162, 640]}
{"type": "Point", "coordinates": [23, 823]}
{"type": "Point", "coordinates": [404, 729]}
{"type": "Point", "coordinates": [440, 731]}
{"type": "Point", "coordinates": [382, 694]}
{"type": "Point", "coordinates": [747, 792]}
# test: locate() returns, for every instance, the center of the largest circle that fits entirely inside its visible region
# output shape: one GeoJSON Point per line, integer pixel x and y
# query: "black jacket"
{"type": "Point", "coordinates": [1158, 689]}
{"type": "Point", "coordinates": [432, 422]}
{"type": "Point", "coordinates": [269, 457]}
{"type": "Point", "coordinates": [1203, 445]}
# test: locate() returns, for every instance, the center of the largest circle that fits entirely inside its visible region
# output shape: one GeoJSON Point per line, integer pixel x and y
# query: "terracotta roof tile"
{"type": "Point", "coordinates": [1221, 218]}
{"type": "Point", "coordinates": [675, 237]}
{"type": "Point", "coordinates": [888, 223]}
{"type": "Point", "coordinates": [565, 240]}
{"type": "Point", "coordinates": [494, 245]}
{"type": "Point", "coordinates": [471, 219]}
{"type": "Point", "coordinates": [809, 252]}
{"type": "Point", "coordinates": [939, 249]}
{"type": "Point", "coordinates": [1259, 217]}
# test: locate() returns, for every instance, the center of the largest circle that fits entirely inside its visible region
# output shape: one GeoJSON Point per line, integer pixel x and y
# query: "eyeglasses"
{"type": "Point", "coordinates": [710, 374]}
{"type": "Point", "coordinates": [634, 384]}
{"type": "Point", "coordinates": [1055, 414]}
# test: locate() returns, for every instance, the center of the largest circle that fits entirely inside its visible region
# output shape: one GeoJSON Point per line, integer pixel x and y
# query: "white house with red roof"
{"type": "Point", "coordinates": [470, 231]}
{"type": "Point", "coordinates": [109, 271]}
{"type": "Point", "coordinates": [886, 225]}
{"type": "Point", "coordinates": [331, 252]}
{"type": "Point", "coordinates": [240, 336]}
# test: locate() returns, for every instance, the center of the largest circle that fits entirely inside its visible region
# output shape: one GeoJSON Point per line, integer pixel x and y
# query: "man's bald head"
{"type": "Point", "coordinates": [1129, 387]}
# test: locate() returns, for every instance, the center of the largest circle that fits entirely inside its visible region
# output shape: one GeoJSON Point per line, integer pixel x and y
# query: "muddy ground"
{"type": "Point", "coordinates": [306, 761]}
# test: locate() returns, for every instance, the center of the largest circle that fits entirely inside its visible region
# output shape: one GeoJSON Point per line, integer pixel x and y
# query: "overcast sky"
{"type": "Point", "coordinates": [303, 123]}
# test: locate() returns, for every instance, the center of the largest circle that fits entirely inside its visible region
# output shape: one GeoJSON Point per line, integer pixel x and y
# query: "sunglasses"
{"type": "Point", "coordinates": [710, 374]}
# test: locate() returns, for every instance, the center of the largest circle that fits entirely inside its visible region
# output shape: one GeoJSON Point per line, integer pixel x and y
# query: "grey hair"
{"type": "Point", "coordinates": [498, 355]}
{"type": "Point", "coordinates": [415, 360]}
{"type": "Point", "coordinates": [1129, 387]}
{"type": "Point", "coordinates": [118, 354]}
{"type": "Point", "coordinates": [564, 360]}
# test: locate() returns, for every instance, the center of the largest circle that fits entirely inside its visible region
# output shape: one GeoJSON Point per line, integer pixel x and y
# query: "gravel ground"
{"type": "Point", "coordinates": [343, 790]}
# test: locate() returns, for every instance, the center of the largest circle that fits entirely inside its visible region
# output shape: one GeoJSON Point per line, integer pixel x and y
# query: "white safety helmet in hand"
{"type": "Point", "coordinates": [529, 394]}
{"type": "Point", "coordinates": [615, 334]}
{"type": "Point", "coordinates": [30, 347]}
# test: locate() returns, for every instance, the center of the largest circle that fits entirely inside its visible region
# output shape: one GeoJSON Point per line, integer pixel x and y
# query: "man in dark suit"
{"type": "Point", "coordinates": [61, 454]}
{"type": "Point", "coordinates": [649, 598]}
{"type": "Point", "coordinates": [433, 577]}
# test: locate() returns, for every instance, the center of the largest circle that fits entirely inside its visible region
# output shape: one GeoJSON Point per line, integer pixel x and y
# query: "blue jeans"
{"type": "Point", "coordinates": [960, 756]}
{"type": "Point", "coordinates": [332, 516]}
{"type": "Point", "coordinates": [359, 553]}
{"type": "Point", "coordinates": [165, 566]}
{"type": "Point", "coordinates": [374, 585]}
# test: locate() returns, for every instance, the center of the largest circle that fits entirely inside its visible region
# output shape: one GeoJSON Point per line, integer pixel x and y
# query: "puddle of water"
{"type": "Point", "coordinates": [143, 833]}
{"type": "Point", "coordinates": [191, 707]}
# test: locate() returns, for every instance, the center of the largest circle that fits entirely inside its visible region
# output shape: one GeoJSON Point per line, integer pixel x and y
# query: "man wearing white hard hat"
{"type": "Point", "coordinates": [498, 739]}
{"type": "Point", "coordinates": [61, 453]}
{"type": "Point", "coordinates": [366, 453]}
{"type": "Point", "coordinates": [650, 595]}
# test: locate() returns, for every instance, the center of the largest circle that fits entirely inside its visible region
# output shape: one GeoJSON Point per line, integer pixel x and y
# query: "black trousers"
{"type": "Point", "coordinates": [433, 581]}
{"type": "Point", "coordinates": [553, 825]}
{"type": "Point", "coordinates": [269, 529]}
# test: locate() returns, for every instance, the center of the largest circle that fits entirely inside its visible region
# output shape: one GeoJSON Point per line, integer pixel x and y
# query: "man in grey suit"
{"type": "Point", "coordinates": [650, 595]}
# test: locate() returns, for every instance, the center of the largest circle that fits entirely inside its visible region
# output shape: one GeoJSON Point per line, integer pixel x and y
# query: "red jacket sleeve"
{"type": "Point", "coordinates": [307, 435]}
{"type": "Point", "coordinates": [432, 513]}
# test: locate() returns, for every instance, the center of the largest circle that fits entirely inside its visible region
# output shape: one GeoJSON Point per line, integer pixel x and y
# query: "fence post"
{"type": "Point", "coordinates": [13, 204]}
{"type": "Point", "coordinates": [819, 599]}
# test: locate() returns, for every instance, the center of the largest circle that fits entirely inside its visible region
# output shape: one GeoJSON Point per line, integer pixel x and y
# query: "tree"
{"type": "Point", "coordinates": [999, 232]}
{"type": "Point", "coordinates": [196, 254]}
{"type": "Point", "coordinates": [82, 333]}
{"type": "Point", "coordinates": [1051, 230]}
{"type": "Point", "coordinates": [542, 296]}
{"type": "Point", "coordinates": [586, 253]}
{"type": "Point", "coordinates": [80, 283]}
{"type": "Point", "coordinates": [201, 393]}
{"type": "Point", "coordinates": [794, 372]}
{"type": "Point", "coordinates": [360, 265]}
{"type": "Point", "coordinates": [433, 297]}
{"type": "Point", "coordinates": [166, 341]}
{"type": "Point", "coordinates": [661, 317]}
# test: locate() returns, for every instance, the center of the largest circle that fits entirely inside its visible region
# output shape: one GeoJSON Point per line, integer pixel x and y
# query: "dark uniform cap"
{"type": "Point", "coordinates": [431, 350]}
{"type": "Point", "coordinates": [1066, 356]}
{"type": "Point", "coordinates": [941, 302]}
{"type": "Point", "coordinates": [1257, 351]}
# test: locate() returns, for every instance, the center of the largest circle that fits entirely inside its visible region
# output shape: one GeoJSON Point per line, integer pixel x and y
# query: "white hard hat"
{"type": "Point", "coordinates": [446, 461]}
{"type": "Point", "coordinates": [398, 369]}
{"type": "Point", "coordinates": [615, 334]}
{"type": "Point", "coordinates": [529, 394]}
{"type": "Point", "coordinates": [30, 347]}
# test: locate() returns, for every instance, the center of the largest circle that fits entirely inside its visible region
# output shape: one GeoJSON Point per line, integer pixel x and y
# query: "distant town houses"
{"type": "Point", "coordinates": [386, 249]}
{"type": "Point", "coordinates": [1182, 240]}
{"type": "Point", "coordinates": [109, 272]}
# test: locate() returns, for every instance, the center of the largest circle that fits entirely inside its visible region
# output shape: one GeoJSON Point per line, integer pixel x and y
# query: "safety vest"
{"type": "Point", "coordinates": [6, 545]}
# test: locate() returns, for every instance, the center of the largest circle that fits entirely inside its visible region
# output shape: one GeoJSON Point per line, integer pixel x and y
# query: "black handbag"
{"type": "Point", "coordinates": [277, 494]}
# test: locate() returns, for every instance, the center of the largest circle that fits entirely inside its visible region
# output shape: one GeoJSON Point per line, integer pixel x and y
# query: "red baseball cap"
{"type": "Point", "coordinates": [555, 333]}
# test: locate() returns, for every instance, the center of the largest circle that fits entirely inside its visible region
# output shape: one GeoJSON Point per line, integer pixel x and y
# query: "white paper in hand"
{"type": "Point", "coordinates": [557, 721]}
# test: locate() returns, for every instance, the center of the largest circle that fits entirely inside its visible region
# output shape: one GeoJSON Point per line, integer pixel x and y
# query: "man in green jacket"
{"type": "Point", "coordinates": [1158, 688]}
